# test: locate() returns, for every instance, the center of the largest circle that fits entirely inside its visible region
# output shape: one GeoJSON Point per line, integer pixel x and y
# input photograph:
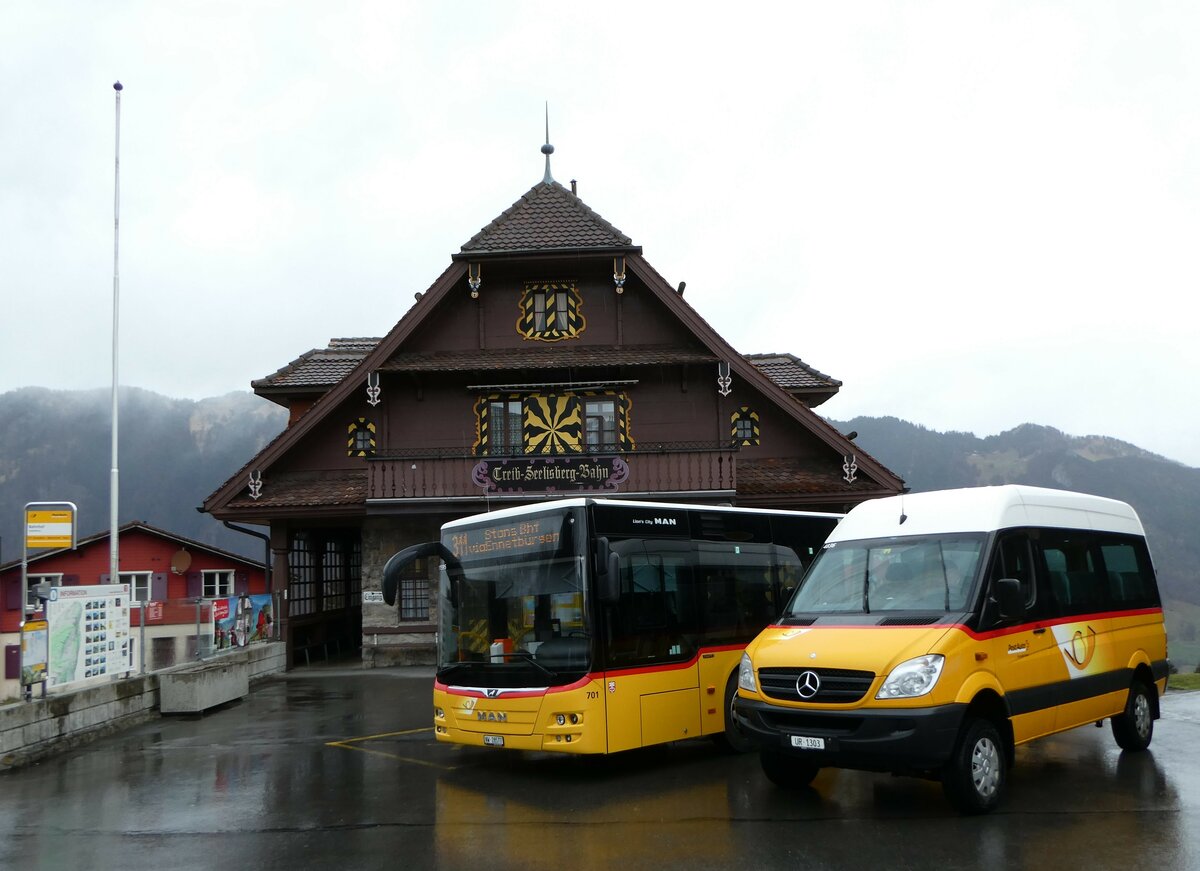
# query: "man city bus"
{"type": "Point", "coordinates": [593, 625]}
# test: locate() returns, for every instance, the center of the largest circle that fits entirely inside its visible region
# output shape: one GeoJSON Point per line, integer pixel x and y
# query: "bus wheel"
{"type": "Point", "coordinates": [973, 780]}
{"type": "Point", "coordinates": [1134, 727]}
{"type": "Point", "coordinates": [733, 739]}
{"type": "Point", "coordinates": [786, 770]}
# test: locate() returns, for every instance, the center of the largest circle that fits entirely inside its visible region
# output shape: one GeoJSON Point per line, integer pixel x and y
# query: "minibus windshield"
{"type": "Point", "coordinates": [920, 573]}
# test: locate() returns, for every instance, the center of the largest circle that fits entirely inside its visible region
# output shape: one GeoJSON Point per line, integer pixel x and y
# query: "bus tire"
{"type": "Point", "coordinates": [733, 739]}
{"type": "Point", "coordinates": [786, 770]}
{"type": "Point", "coordinates": [1134, 727]}
{"type": "Point", "coordinates": [974, 778]}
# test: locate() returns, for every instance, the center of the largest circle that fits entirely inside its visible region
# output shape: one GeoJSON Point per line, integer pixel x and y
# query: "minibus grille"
{"type": "Point", "coordinates": [838, 686]}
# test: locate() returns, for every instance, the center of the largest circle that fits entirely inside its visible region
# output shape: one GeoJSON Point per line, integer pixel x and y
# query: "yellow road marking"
{"type": "Point", "coordinates": [349, 744]}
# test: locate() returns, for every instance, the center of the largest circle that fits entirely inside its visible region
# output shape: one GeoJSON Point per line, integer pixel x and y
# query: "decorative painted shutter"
{"type": "Point", "coordinates": [158, 587]}
{"type": "Point", "coordinates": [195, 585]}
{"type": "Point", "coordinates": [12, 661]}
{"type": "Point", "coordinates": [12, 594]}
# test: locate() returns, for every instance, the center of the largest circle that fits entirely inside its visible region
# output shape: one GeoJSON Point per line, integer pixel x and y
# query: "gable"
{"type": "Point", "coordinates": [469, 336]}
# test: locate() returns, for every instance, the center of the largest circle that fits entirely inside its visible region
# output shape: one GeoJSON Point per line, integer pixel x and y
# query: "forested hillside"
{"type": "Point", "coordinates": [1166, 494]}
{"type": "Point", "coordinates": [56, 446]}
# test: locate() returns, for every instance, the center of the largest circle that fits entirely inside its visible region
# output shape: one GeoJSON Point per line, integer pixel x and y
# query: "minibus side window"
{"type": "Point", "coordinates": [1130, 576]}
{"type": "Point", "coordinates": [1073, 568]}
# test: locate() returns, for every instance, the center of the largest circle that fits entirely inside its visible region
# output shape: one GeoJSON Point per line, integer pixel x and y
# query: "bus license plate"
{"type": "Point", "coordinates": [493, 740]}
{"type": "Point", "coordinates": [804, 742]}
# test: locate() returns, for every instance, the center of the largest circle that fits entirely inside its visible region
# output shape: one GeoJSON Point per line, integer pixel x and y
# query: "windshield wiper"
{"type": "Point", "coordinates": [528, 657]}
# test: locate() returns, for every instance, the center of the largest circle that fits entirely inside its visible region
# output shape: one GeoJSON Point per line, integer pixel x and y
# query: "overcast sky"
{"type": "Point", "coordinates": [973, 214]}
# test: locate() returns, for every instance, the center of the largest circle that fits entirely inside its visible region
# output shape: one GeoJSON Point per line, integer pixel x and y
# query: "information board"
{"type": "Point", "coordinates": [89, 634]}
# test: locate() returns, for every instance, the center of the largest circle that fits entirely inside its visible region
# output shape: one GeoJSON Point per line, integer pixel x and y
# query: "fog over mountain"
{"type": "Point", "coordinates": [56, 446]}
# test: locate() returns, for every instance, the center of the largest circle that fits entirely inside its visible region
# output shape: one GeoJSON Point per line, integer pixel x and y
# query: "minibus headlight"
{"type": "Point", "coordinates": [746, 674]}
{"type": "Point", "coordinates": [913, 678]}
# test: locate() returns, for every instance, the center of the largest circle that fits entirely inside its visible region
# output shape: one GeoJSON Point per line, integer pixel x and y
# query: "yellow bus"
{"type": "Point", "coordinates": [597, 625]}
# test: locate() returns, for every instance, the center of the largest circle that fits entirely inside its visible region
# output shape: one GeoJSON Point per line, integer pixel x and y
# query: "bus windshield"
{"type": "Point", "coordinates": [512, 605]}
{"type": "Point", "coordinates": [921, 573]}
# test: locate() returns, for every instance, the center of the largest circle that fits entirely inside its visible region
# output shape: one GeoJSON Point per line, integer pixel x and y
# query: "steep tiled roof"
{"type": "Point", "coordinates": [792, 373]}
{"type": "Point", "coordinates": [548, 217]}
{"type": "Point", "coordinates": [306, 489]}
{"type": "Point", "coordinates": [783, 476]}
{"type": "Point", "coordinates": [320, 367]}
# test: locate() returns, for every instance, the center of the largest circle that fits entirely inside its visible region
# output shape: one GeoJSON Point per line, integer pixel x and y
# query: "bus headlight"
{"type": "Point", "coordinates": [912, 678]}
{"type": "Point", "coordinates": [746, 674]}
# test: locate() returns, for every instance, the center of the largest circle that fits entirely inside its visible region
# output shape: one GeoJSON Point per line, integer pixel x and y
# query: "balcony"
{"type": "Point", "coordinates": [675, 468]}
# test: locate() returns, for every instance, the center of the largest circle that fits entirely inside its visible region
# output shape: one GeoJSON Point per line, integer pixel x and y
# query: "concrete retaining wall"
{"type": "Point", "coordinates": [32, 730]}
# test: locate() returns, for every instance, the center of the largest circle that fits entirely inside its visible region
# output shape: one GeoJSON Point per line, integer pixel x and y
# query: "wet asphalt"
{"type": "Point", "coordinates": [336, 767]}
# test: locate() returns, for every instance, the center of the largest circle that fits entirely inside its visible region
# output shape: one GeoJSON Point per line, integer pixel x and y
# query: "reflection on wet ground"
{"type": "Point", "coordinates": [339, 768]}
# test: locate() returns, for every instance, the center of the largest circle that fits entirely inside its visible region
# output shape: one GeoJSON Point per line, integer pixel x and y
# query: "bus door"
{"type": "Point", "coordinates": [651, 688]}
{"type": "Point", "coordinates": [1025, 658]}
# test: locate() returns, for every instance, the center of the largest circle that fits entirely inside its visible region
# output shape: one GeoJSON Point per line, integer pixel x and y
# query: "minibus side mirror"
{"type": "Point", "coordinates": [1009, 599]}
{"type": "Point", "coordinates": [608, 571]}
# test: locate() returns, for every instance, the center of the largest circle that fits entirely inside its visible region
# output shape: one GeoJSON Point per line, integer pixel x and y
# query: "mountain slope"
{"type": "Point", "coordinates": [55, 446]}
{"type": "Point", "coordinates": [1166, 494]}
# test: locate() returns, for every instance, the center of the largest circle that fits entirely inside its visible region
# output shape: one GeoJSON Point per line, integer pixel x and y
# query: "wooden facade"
{"type": "Point", "coordinates": [146, 551]}
{"type": "Point", "coordinates": [549, 359]}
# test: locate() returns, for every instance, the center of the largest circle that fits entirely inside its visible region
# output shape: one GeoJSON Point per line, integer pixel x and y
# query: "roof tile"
{"type": "Point", "coordinates": [547, 217]}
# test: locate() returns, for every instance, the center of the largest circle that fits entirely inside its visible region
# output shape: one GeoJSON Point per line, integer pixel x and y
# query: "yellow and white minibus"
{"type": "Point", "coordinates": [595, 625]}
{"type": "Point", "coordinates": [937, 631]}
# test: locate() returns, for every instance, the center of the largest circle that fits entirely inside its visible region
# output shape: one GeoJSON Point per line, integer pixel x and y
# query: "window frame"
{"type": "Point", "coordinates": [209, 581]}
{"type": "Point", "coordinates": [134, 579]}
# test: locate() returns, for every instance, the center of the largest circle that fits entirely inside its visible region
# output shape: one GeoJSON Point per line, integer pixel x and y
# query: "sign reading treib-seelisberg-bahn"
{"type": "Point", "coordinates": [520, 474]}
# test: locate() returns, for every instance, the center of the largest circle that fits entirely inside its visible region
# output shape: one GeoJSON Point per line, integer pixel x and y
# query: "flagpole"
{"type": "Point", "coordinates": [114, 476]}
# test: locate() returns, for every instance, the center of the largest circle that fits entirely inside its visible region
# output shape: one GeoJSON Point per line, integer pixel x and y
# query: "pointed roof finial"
{"type": "Point", "coordinates": [547, 149]}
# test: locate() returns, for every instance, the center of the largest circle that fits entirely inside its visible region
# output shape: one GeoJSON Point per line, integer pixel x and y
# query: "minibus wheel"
{"type": "Point", "coordinates": [786, 770]}
{"type": "Point", "coordinates": [974, 778]}
{"type": "Point", "coordinates": [733, 739]}
{"type": "Point", "coordinates": [1134, 727]}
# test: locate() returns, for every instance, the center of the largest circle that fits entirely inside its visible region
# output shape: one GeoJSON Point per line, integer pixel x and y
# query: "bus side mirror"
{"type": "Point", "coordinates": [395, 567]}
{"type": "Point", "coordinates": [608, 571]}
{"type": "Point", "coordinates": [1009, 599]}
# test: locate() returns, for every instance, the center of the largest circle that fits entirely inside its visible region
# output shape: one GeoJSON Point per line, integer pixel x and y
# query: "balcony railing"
{"type": "Point", "coordinates": [679, 467]}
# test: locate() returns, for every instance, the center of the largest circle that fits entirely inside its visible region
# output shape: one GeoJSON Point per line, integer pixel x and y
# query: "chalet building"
{"type": "Point", "coordinates": [160, 566]}
{"type": "Point", "coordinates": [549, 359]}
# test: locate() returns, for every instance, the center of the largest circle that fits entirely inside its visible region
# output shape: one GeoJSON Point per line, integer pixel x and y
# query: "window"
{"type": "Point", "coordinates": [1075, 579]}
{"type": "Point", "coordinates": [564, 423]}
{"type": "Point", "coordinates": [504, 417]}
{"type": "Point", "coordinates": [333, 575]}
{"type": "Point", "coordinates": [601, 418]}
{"type": "Point", "coordinates": [302, 587]}
{"type": "Point", "coordinates": [1014, 560]}
{"type": "Point", "coordinates": [360, 441]}
{"type": "Point", "coordinates": [1130, 577]}
{"type": "Point", "coordinates": [414, 599]}
{"type": "Point", "coordinates": [139, 584]}
{"type": "Point", "coordinates": [217, 584]}
{"type": "Point", "coordinates": [31, 599]}
{"type": "Point", "coordinates": [744, 426]}
{"type": "Point", "coordinates": [551, 311]}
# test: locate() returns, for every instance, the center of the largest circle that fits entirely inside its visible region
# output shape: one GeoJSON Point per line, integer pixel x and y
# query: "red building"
{"type": "Point", "coordinates": [160, 567]}
{"type": "Point", "coordinates": [549, 342]}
